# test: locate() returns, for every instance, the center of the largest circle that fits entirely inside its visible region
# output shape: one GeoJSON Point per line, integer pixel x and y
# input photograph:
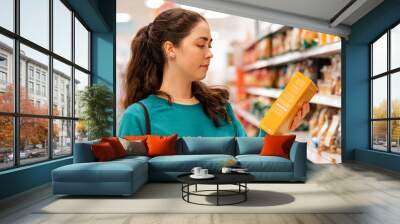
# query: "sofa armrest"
{"type": "Point", "coordinates": [298, 155]}
{"type": "Point", "coordinates": [83, 152]}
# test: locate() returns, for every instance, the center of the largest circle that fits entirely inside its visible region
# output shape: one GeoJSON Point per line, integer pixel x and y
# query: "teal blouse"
{"type": "Point", "coordinates": [181, 119]}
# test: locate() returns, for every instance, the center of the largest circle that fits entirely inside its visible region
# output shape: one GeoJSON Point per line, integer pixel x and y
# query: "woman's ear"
{"type": "Point", "coordinates": [169, 49]}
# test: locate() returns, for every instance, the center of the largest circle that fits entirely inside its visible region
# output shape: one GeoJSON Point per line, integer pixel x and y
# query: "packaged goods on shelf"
{"type": "Point", "coordinates": [294, 39]}
{"type": "Point", "coordinates": [325, 129]}
{"type": "Point", "coordinates": [278, 41]}
{"type": "Point", "coordinates": [331, 81]}
{"type": "Point", "coordinates": [261, 77]}
{"type": "Point", "coordinates": [264, 48]}
{"type": "Point", "coordinates": [309, 39]}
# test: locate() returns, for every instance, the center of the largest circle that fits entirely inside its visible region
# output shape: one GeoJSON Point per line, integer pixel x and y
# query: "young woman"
{"type": "Point", "coordinates": [164, 92]}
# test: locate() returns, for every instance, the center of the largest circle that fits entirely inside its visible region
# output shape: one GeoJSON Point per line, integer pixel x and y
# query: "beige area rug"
{"type": "Point", "coordinates": [166, 198]}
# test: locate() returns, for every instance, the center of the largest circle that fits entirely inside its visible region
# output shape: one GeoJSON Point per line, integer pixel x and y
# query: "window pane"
{"type": "Point", "coordinates": [81, 81]}
{"type": "Point", "coordinates": [34, 72]}
{"type": "Point", "coordinates": [395, 138]}
{"type": "Point", "coordinates": [81, 131]}
{"type": "Point", "coordinates": [379, 135]}
{"type": "Point", "coordinates": [62, 29]}
{"type": "Point", "coordinates": [62, 138]}
{"type": "Point", "coordinates": [6, 74]}
{"type": "Point", "coordinates": [395, 47]}
{"type": "Point", "coordinates": [62, 89]}
{"type": "Point", "coordinates": [379, 97]}
{"type": "Point", "coordinates": [81, 45]}
{"type": "Point", "coordinates": [379, 55]}
{"type": "Point", "coordinates": [395, 94]}
{"type": "Point", "coordinates": [35, 21]}
{"type": "Point", "coordinates": [6, 142]}
{"type": "Point", "coordinates": [33, 140]}
{"type": "Point", "coordinates": [7, 14]}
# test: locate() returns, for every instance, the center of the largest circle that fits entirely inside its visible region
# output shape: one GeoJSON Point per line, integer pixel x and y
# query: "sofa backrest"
{"type": "Point", "coordinates": [206, 145]}
{"type": "Point", "coordinates": [83, 152]}
{"type": "Point", "coordinates": [249, 145]}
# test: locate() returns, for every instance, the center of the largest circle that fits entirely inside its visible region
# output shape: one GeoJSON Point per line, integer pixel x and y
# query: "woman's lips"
{"type": "Point", "coordinates": [204, 66]}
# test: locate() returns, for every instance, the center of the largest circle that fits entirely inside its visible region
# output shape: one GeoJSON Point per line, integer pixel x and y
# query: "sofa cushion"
{"type": "Point", "coordinates": [185, 163]}
{"type": "Point", "coordinates": [249, 145]}
{"type": "Point", "coordinates": [83, 152]}
{"type": "Point", "coordinates": [257, 163]}
{"type": "Point", "coordinates": [206, 145]}
{"type": "Point", "coordinates": [111, 171]}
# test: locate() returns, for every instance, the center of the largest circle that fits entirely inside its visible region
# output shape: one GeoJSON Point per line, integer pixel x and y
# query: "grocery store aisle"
{"type": "Point", "coordinates": [377, 188]}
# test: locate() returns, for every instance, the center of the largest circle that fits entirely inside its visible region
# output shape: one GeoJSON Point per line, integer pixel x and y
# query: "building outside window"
{"type": "Point", "coordinates": [35, 76]}
{"type": "Point", "coordinates": [385, 97]}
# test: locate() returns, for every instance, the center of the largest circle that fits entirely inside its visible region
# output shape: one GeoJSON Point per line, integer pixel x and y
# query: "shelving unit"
{"type": "Point", "coordinates": [332, 101]}
{"type": "Point", "coordinates": [320, 51]}
{"type": "Point", "coordinates": [247, 116]}
{"type": "Point", "coordinates": [275, 29]}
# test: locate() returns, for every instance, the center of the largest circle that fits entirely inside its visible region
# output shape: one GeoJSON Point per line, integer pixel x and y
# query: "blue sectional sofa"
{"type": "Point", "coordinates": [125, 176]}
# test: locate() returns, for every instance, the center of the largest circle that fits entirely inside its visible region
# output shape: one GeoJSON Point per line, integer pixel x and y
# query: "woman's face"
{"type": "Point", "coordinates": [194, 54]}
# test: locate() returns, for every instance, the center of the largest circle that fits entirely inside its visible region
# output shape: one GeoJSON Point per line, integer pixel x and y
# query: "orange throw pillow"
{"type": "Point", "coordinates": [103, 151]}
{"type": "Point", "coordinates": [116, 145]}
{"type": "Point", "coordinates": [277, 145]}
{"type": "Point", "coordinates": [161, 145]}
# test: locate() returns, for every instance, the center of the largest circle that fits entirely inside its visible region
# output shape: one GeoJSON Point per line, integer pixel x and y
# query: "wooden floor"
{"type": "Point", "coordinates": [378, 188]}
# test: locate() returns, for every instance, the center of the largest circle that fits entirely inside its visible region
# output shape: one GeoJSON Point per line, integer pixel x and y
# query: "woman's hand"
{"type": "Point", "coordinates": [299, 116]}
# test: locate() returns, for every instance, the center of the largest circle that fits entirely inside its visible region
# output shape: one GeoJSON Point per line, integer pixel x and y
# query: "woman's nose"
{"type": "Point", "coordinates": [209, 54]}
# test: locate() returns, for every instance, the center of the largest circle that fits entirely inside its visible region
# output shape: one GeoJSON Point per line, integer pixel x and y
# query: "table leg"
{"type": "Point", "coordinates": [217, 194]}
{"type": "Point", "coordinates": [196, 188]}
{"type": "Point", "coordinates": [245, 193]}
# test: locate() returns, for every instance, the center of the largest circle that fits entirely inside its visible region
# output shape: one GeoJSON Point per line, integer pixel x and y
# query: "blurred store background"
{"type": "Point", "coordinates": [255, 59]}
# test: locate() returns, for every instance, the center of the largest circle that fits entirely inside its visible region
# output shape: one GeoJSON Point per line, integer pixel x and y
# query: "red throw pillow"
{"type": "Point", "coordinates": [103, 151]}
{"type": "Point", "coordinates": [134, 138]}
{"type": "Point", "coordinates": [277, 145]}
{"type": "Point", "coordinates": [116, 145]}
{"type": "Point", "coordinates": [161, 145]}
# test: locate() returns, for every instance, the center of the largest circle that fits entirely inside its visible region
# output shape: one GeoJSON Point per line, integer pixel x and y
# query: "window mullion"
{"type": "Point", "coordinates": [16, 84]}
{"type": "Point", "coordinates": [389, 107]}
{"type": "Point", "coordinates": [73, 83]}
{"type": "Point", "coordinates": [50, 81]}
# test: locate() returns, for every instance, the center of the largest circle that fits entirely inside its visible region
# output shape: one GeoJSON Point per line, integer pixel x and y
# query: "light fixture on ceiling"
{"type": "Point", "coordinates": [123, 17]}
{"type": "Point", "coordinates": [214, 15]}
{"type": "Point", "coordinates": [191, 8]}
{"type": "Point", "coordinates": [208, 14]}
{"type": "Point", "coordinates": [154, 4]}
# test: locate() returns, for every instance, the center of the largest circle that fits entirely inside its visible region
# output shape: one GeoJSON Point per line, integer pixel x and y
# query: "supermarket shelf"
{"type": "Point", "coordinates": [276, 28]}
{"type": "Point", "coordinates": [324, 50]}
{"type": "Point", "coordinates": [332, 101]}
{"type": "Point", "coordinates": [247, 116]}
{"type": "Point", "coordinates": [322, 157]}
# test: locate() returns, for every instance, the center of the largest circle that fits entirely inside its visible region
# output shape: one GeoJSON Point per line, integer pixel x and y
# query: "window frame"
{"type": "Point", "coordinates": [388, 74]}
{"type": "Point", "coordinates": [16, 115]}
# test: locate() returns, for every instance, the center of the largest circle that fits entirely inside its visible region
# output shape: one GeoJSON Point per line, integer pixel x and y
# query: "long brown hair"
{"type": "Point", "coordinates": [144, 72]}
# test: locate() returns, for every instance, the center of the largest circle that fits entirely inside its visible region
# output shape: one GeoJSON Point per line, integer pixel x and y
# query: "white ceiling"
{"type": "Point", "coordinates": [317, 15]}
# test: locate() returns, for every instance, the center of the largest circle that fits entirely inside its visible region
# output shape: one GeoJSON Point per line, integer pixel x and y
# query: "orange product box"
{"type": "Point", "coordinates": [298, 91]}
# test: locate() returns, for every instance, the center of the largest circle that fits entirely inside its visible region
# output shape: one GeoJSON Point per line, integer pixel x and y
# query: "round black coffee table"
{"type": "Point", "coordinates": [238, 179]}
